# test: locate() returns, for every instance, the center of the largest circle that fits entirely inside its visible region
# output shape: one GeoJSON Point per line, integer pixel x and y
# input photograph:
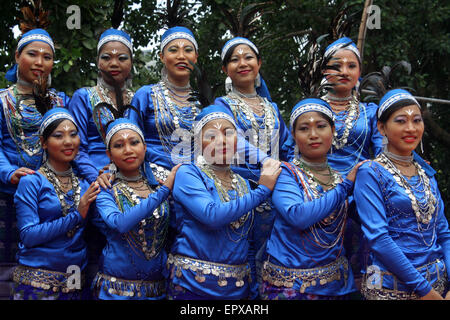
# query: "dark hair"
{"type": "Point", "coordinates": [52, 126]}
{"type": "Point", "coordinates": [396, 106]}
{"type": "Point", "coordinates": [230, 51]}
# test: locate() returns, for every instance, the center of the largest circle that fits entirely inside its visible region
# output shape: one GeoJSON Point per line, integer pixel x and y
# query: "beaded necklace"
{"type": "Point", "coordinates": [351, 116]}
{"type": "Point", "coordinates": [312, 191]}
{"type": "Point", "coordinates": [157, 224]}
{"type": "Point", "coordinates": [52, 177]}
{"type": "Point", "coordinates": [424, 207]}
{"type": "Point", "coordinates": [241, 108]}
{"type": "Point", "coordinates": [23, 121]}
{"type": "Point", "coordinates": [239, 186]}
{"type": "Point", "coordinates": [170, 116]}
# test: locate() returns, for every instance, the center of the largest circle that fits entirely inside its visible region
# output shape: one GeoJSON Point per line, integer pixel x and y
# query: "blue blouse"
{"type": "Point", "coordinates": [19, 141]}
{"type": "Point", "coordinates": [292, 241]}
{"type": "Point", "coordinates": [204, 232]}
{"type": "Point", "coordinates": [44, 242]}
{"type": "Point", "coordinates": [250, 169]}
{"type": "Point", "coordinates": [92, 154]}
{"type": "Point", "coordinates": [156, 118]}
{"type": "Point", "coordinates": [391, 230]}
{"type": "Point", "coordinates": [123, 257]}
{"type": "Point", "coordinates": [363, 136]}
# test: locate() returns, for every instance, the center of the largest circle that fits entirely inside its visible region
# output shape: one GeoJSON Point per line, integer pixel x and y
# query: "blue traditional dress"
{"type": "Point", "coordinates": [51, 244]}
{"type": "Point", "coordinates": [209, 217]}
{"type": "Point", "coordinates": [19, 146]}
{"type": "Point", "coordinates": [166, 119]}
{"type": "Point", "coordinates": [92, 121]}
{"type": "Point", "coordinates": [267, 133]}
{"type": "Point", "coordinates": [404, 224]}
{"type": "Point", "coordinates": [133, 262]}
{"type": "Point", "coordinates": [306, 255]}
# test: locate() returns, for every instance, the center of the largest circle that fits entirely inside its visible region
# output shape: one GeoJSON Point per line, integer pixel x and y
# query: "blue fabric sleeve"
{"type": "Point", "coordinates": [117, 220]}
{"type": "Point", "coordinates": [79, 106]}
{"type": "Point", "coordinates": [142, 102]}
{"type": "Point", "coordinates": [191, 191]}
{"type": "Point", "coordinates": [288, 198]}
{"type": "Point", "coordinates": [32, 231]}
{"type": "Point", "coordinates": [443, 233]}
{"type": "Point", "coordinates": [370, 204]}
{"type": "Point", "coordinates": [6, 168]}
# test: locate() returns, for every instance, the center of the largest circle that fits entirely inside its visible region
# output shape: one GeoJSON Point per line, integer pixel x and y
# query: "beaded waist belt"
{"type": "Point", "coordinates": [45, 279]}
{"type": "Point", "coordinates": [379, 293]}
{"type": "Point", "coordinates": [285, 277]}
{"type": "Point", "coordinates": [129, 288]}
{"type": "Point", "coordinates": [202, 268]}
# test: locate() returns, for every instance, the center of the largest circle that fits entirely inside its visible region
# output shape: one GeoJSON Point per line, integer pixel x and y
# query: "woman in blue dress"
{"type": "Point", "coordinates": [258, 119]}
{"type": "Point", "coordinates": [165, 112]}
{"type": "Point", "coordinates": [401, 211]}
{"type": "Point", "coordinates": [134, 215]}
{"type": "Point", "coordinates": [114, 61]}
{"type": "Point", "coordinates": [52, 205]}
{"type": "Point", "coordinates": [20, 118]}
{"type": "Point", "coordinates": [306, 255]}
{"type": "Point", "coordinates": [213, 253]}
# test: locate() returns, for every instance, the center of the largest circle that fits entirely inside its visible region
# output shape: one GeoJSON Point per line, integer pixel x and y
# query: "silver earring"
{"type": "Point", "coordinates": [384, 141]}
{"type": "Point", "coordinates": [112, 168]}
{"type": "Point", "coordinates": [228, 84]}
{"type": "Point", "coordinates": [421, 146]}
{"type": "Point", "coordinates": [258, 81]}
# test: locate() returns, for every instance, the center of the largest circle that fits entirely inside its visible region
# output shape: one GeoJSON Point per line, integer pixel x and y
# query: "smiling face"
{"type": "Point", "coordinates": [176, 56]}
{"type": "Point", "coordinates": [115, 58]}
{"type": "Point", "coordinates": [313, 135]}
{"type": "Point", "coordinates": [35, 60]}
{"type": "Point", "coordinates": [243, 68]}
{"type": "Point", "coordinates": [219, 142]}
{"type": "Point", "coordinates": [403, 129]}
{"type": "Point", "coordinates": [62, 145]}
{"type": "Point", "coordinates": [350, 71]}
{"type": "Point", "coordinates": [127, 151]}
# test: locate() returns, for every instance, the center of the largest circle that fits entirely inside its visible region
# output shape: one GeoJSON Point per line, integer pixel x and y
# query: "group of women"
{"type": "Point", "coordinates": [259, 212]}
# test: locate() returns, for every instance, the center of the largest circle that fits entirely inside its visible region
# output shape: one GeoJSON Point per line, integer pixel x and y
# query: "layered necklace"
{"type": "Point", "coordinates": [106, 91]}
{"type": "Point", "coordinates": [238, 185]}
{"type": "Point", "coordinates": [423, 201]}
{"type": "Point", "coordinates": [23, 121]}
{"type": "Point", "coordinates": [351, 115]}
{"type": "Point", "coordinates": [54, 177]}
{"type": "Point", "coordinates": [328, 225]}
{"type": "Point", "coordinates": [172, 112]}
{"type": "Point", "coordinates": [240, 106]}
{"type": "Point", "coordinates": [155, 226]}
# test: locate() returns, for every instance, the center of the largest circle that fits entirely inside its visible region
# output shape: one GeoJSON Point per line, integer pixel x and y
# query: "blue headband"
{"type": "Point", "coordinates": [236, 41]}
{"type": "Point", "coordinates": [55, 114]}
{"type": "Point", "coordinates": [309, 105]}
{"type": "Point", "coordinates": [394, 96]}
{"type": "Point", "coordinates": [115, 35]}
{"type": "Point", "coordinates": [119, 124]}
{"type": "Point", "coordinates": [345, 42]}
{"type": "Point", "coordinates": [27, 38]}
{"type": "Point", "coordinates": [212, 112]}
{"type": "Point", "coordinates": [177, 33]}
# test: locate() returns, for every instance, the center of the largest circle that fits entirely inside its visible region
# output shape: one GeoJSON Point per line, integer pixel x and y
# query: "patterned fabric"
{"type": "Point", "coordinates": [26, 292]}
{"type": "Point", "coordinates": [270, 292]}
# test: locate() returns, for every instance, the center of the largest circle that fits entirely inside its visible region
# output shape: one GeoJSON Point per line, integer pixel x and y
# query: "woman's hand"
{"type": "Point", "coordinates": [171, 177]}
{"type": "Point", "coordinates": [269, 173]}
{"type": "Point", "coordinates": [19, 173]}
{"type": "Point", "coordinates": [352, 174]}
{"type": "Point", "coordinates": [88, 197]}
{"type": "Point", "coordinates": [105, 179]}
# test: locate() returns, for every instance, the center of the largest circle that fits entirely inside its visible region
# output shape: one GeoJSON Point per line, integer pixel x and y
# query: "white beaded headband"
{"type": "Point", "coordinates": [37, 37]}
{"type": "Point", "coordinates": [394, 99]}
{"type": "Point", "coordinates": [54, 117]}
{"type": "Point", "coordinates": [114, 37]}
{"type": "Point", "coordinates": [309, 108]}
{"type": "Point", "coordinates": [237, 41]}
{"type": "Point", "coordinates": [212, 116]}
{"type": "Point", "coordinates": [340, 45]}
{"type": "Point", "coordinates": [178, 35]}
{"type": "Point", "coordinates": [119, 127]}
